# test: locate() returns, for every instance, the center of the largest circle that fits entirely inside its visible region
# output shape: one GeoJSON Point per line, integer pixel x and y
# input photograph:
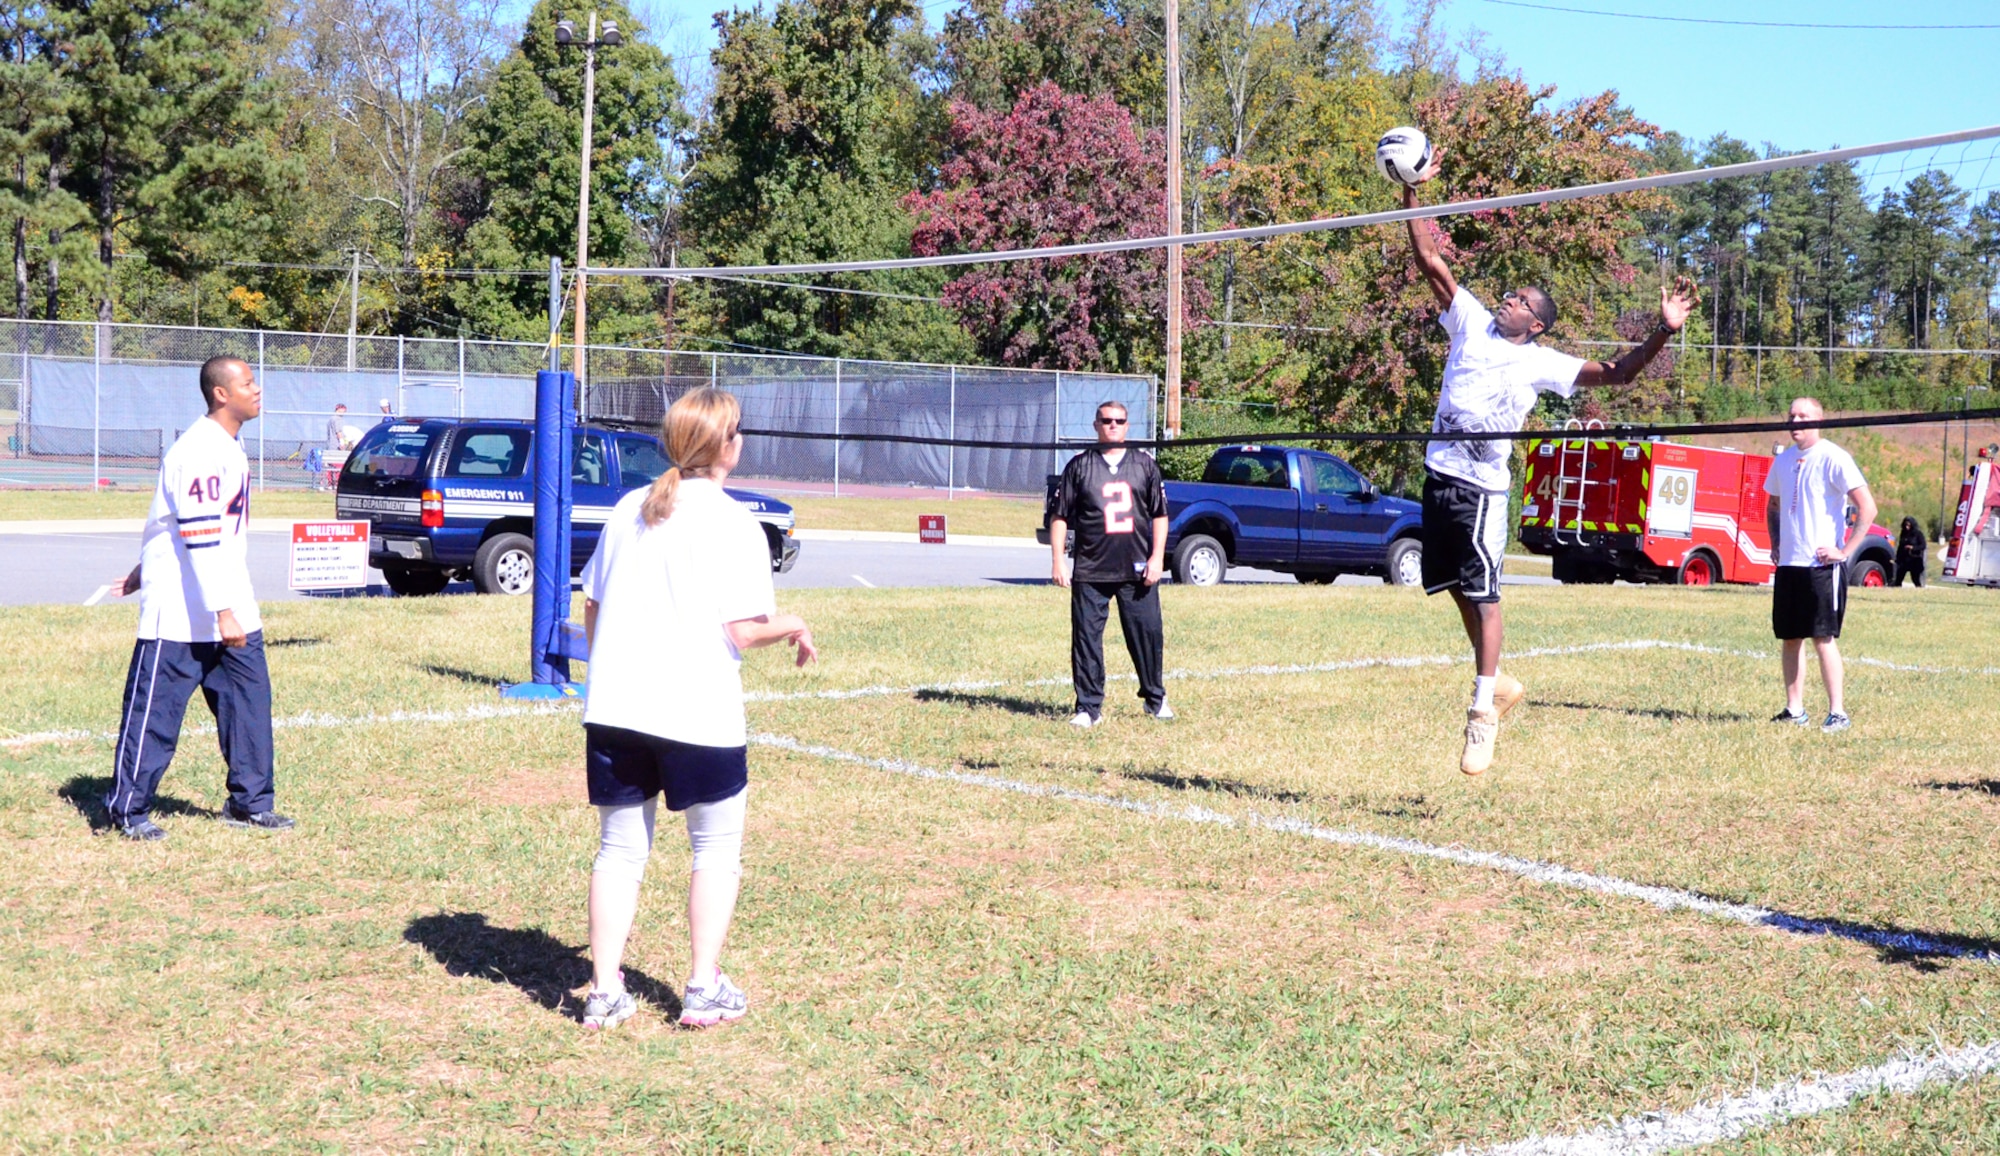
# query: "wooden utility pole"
{"type": "Point", "coordinates": [1173, 218]}
{"type": "Point", "coordinates": [583, 194]}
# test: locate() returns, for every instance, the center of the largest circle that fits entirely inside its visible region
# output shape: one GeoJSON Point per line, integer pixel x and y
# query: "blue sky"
{"type": "Point", "coordinates": [1797, 88]}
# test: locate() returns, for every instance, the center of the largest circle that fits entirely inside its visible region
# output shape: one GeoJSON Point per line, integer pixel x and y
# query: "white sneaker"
{"type": "Point", "coordinates": [1481, 728]}
{"type": "Point", "coordinates": [1083, 720]}
{"type": "Point", "coordinates": [1165, 711]}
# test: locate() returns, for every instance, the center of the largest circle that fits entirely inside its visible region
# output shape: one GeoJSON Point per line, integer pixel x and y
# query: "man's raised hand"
{"type": "Point", "coordinates": [1677, 301]}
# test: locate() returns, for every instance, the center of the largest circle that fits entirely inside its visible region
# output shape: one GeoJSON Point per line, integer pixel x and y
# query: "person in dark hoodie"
{"type": "Point", "coordinates": [1911, 546]}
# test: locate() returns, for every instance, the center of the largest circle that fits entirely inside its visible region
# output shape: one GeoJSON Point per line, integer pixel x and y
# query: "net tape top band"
{"type": "Point", "coordinates": [1618, 432]}
{"type": "Point", "coordinates": [1261, 232]}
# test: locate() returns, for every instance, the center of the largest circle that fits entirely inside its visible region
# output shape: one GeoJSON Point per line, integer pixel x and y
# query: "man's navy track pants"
{"type": "Point", "coordinates": [164, 674]}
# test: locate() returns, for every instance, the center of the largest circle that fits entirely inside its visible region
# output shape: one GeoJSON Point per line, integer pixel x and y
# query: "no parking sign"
{"type": "Point", "coordinates": [930, 529]}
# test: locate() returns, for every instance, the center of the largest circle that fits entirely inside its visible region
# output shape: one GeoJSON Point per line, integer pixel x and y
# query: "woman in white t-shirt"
{"type": "Point", "coordinates": [678, 589]}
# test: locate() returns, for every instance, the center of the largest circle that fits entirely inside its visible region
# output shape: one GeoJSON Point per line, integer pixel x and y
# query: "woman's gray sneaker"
{"type": "Point", "coordinates": [608, 1010]}
{"type": "Point", "coordinates": [705, 1007]}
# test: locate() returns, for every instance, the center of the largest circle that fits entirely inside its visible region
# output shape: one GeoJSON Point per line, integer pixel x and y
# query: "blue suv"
{"type": "Point", "coordinates": [455, 497]}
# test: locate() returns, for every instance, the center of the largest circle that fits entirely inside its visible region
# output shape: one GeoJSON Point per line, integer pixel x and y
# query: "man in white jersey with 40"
{"type": "Point", "coordinates": [198, 619]}
{"type": "Point", "coordinates": [1491, 379]}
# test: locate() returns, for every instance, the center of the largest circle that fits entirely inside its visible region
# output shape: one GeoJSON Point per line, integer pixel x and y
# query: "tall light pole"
{"type": "Point", "coordinates": [566, 36]}
{"type": "Point", "coordinates": [1173, 218]}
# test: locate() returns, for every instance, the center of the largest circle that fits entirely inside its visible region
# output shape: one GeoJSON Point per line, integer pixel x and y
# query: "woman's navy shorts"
{"type": "Point", "coordinates": [627, 767]}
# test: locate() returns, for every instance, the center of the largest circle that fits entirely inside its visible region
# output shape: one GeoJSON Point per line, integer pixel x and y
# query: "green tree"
{"type": "Point", "coordinates": [164, 140]}
{"type": "Point", "coordinates": [991, 53]}
{"type": "Point", "coordinates": [524, 157]}
{"type": "Point", "coordinates": [34, 118]}
{"type": "Point", "coordinates": [1917, 256]}
{"type": "Point", "coordinates": [804, 157]}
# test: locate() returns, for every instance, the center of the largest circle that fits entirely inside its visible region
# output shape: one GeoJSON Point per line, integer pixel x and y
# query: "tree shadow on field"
{"type": "Point", "coordinates": [469, 677]}
{"type": "Point", "coordinates": [1188, 781]}
{"type": "Point", "coordinates": [1922, 951]}
{"type": "Point", "coordinates": [1665, 714]}
{"type": "Point", "coordinates": [544, 968]}
{"type": "Point", "coordinates": [86, 793]}
{"type": "Point", "coordinates": [1973, 786]}
{"type": "Point", "coordinates": [1006, 702]}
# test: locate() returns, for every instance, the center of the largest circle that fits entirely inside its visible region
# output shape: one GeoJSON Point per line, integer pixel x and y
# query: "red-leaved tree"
{"type": "Point", "coordinates": [1056, 169]}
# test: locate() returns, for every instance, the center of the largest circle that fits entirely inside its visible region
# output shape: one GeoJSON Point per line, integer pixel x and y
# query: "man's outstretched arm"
{"type": "Point", "coordinates": [1676, 302]}
{"type": "Point", "coordinates": [1423, 241]}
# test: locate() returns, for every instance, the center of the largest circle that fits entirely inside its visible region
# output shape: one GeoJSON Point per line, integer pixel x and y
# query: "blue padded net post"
{"type": "Point", "coordinates": [552, 642]}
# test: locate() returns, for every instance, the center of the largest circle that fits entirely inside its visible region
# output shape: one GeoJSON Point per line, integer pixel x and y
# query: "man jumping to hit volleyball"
{"type": "Point", "coordinates": [1490, 381]}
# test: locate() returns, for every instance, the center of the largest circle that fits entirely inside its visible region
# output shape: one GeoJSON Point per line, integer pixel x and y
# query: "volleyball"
{"type": "Point", "coordinates": [1402, 153]}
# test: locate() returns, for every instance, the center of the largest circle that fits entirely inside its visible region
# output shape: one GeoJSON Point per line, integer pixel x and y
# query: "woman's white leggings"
{"type": "Point", "coordinates": [715, 831]}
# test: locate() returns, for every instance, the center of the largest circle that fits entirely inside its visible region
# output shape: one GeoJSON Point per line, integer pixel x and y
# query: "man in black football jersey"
{"type": "Point", "coordinates": [1118, 505]}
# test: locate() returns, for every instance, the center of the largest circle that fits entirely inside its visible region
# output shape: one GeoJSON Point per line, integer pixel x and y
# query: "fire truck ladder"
{"type": "Point", "coordinates": [1572, 467]}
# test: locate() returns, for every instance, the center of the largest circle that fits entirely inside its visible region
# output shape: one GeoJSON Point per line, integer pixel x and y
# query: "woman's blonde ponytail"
{"type": "Point", "coordinates": [660, 499]}
{"type": "Point", "coordinates": [696, 432]}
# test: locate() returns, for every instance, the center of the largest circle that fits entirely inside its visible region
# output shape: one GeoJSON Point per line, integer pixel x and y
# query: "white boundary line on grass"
{"type": "Point", "coordinates": [317, 721]}
{"type": "Point", "coordinates": [1719, 1120]}
{"type": "Point", "coordinates": [1550, 874]}
{"type": "Point", "coordinates": [1342, 665]}
{"type": "Point", "coordinates": [13, 742]}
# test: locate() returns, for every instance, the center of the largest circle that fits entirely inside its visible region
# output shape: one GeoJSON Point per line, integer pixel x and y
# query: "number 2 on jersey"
{"type": "Point", "coordinates": [1117, 507]}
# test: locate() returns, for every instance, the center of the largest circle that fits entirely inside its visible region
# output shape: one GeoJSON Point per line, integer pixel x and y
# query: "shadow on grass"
{"type": "Point", "coordinates": [278, 643]}
{"type": "Point", "coordinates": [86, 793]}
{"type": "Point", "coordinates": [1666, 714]}
{"type": "Point", "coordinates": [1919, 950]}
{"type": "Point", "coordinates": [1975, 786]}
{"type": "Point", "coordinates": [468, 677]}
{"type": "Point", "coordinates": [1196, 782]}
{"type": "Point", "coordinates": [1006, 702]}
{"type": "Point", "coordinates": [1022, 581]}
{"type": "Point", "coordinates": [544, 968]}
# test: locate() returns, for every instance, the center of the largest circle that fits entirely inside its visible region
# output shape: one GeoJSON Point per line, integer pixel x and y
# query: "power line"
{"type": "Point", "coordinates": [1749, 23]}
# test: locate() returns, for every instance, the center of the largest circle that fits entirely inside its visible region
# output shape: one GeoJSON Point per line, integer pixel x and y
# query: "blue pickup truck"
{"type": "Point", "coordinates": [1299, 512]}
{"type": "Point", "coordinates": [448, 497]}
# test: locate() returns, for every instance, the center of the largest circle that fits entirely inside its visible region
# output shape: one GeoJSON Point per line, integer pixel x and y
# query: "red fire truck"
{"type": "Point", "coordinates": [1649, 511]}
{"type": "Point", "coordinates": [1974, 553]}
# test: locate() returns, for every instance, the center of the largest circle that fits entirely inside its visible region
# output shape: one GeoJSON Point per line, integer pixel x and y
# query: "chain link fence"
{"type": "Point", "coordinates": [91, 404]}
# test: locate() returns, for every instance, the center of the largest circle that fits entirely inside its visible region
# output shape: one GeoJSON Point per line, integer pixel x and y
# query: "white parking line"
{"type": "Point", "coordinates": [94, 599]}
{"type": "Point", "coordinates": [1720, 1120]}
{"type": "Point", "coordinates": [863, 581]}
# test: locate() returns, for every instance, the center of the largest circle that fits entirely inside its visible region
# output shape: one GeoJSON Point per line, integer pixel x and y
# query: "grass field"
{"type": "Point", "coordinates": [936, 965]}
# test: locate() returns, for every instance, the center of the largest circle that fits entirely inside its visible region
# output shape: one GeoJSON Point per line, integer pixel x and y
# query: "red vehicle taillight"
{"type": "Point", "coordinates": [433, 507]}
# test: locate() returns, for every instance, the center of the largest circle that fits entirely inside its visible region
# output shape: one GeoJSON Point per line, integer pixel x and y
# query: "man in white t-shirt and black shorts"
{"type": "Point", "coordinates": [1491, 380]}
{"type": "Point", "coordinates": [1811, 485]}
{"type": "Point", "coordinates": [1117, 503]}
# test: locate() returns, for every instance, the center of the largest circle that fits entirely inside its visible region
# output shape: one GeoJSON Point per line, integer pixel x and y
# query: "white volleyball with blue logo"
{"type": "Point", "coordinates": [1402, 154]}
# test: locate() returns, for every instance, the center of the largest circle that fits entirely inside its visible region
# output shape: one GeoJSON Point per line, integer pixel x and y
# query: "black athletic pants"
{"type": "Point", "coordinates": [163, 676]}
{"type": "Point", "coordinates": [1145, 640]}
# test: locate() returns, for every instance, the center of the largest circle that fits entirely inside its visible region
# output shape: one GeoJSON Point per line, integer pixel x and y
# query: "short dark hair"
{"type": "Point", "coordinates": [215, 373]}
{"type": "Point", "coordinates": [1104, 405]}
{"type": "Point", "coordinates": [1542, 306]}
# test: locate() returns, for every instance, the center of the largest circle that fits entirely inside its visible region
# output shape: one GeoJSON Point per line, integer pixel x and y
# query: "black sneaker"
{"type": "Point", "coordinates": [1797, 718]}
{"type": "Point", "coordinates": [261, 821]}
{"type": "Point", "coordinates": [142, 829]}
